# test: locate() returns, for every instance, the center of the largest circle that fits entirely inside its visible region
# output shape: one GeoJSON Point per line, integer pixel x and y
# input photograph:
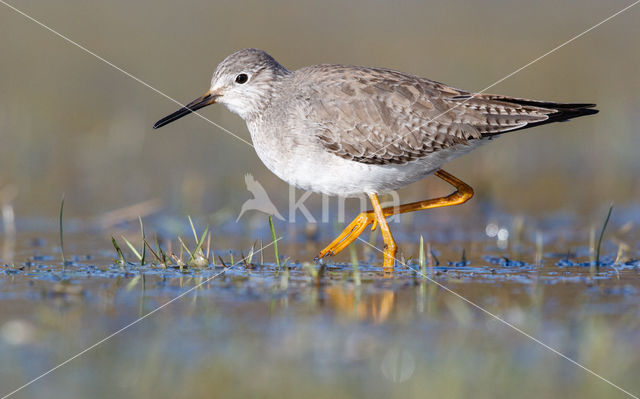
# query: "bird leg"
{"type": "Point", "coordinates": [390, 247]}
{"type": "Point", "coordinates": [463, 193]}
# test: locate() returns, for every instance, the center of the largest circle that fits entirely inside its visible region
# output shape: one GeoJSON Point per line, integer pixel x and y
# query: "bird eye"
{"type": "Point", "coordinates": [242, 78]}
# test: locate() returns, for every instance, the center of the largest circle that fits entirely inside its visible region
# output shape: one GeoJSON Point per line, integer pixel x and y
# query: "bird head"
{"type": "Point", "coordinates": [243, 82]}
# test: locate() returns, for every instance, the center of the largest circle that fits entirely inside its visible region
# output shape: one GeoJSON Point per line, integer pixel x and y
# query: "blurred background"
{"type": "Point", "coordinates": [71, 123]}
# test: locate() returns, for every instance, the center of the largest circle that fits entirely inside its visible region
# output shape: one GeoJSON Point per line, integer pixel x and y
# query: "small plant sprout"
{"type": "Point", "coordinates": [244, 260]}
{"type": "Point", "coordinates": [163, 255]}
{"type": "Point", "coordinates": [604, 226]}
{"type": "Point", "coordinates": [161, 260]}
{"type": "Point", "coordinates": [132, 248]}
{"type": "Point", "coordinates": [64, 262]}
{"type": "Point", "coordinates": [211, 251]}
{"type": "Point", "coordinates": [275, 241]}
{"type": "Point", "coordinates": [193, 229]}
{"type": "Point", "coordinates": [178, 260]}
{"type": "Point", "coordinates": [141, 257]}
{"type": "Point", "coordinates": [208, 245]}
{"type": "Point", "coordinates": [251, 253]}
{"type": "Point", "coordinates": [144, 249]}
{"type": "Point", "coordinates": [121, 261]}
{"type": "Point", "coordinates": [198, 257]}
{"type": "Point", "coordinates": [183, 246]}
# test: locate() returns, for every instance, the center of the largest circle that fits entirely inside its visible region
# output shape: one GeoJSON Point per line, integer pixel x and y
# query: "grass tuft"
{"type": "Point", "coordinates": [162, 253]}
{"type": "Point", "coordinates": [198, 250]}
{"type": "Point", "coordinates": [184, 246]}
{"type": "Point", "coordinates": [154, 253]}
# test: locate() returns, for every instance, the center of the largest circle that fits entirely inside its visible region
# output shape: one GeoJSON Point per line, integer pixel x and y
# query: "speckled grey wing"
{"type": "Point", "coordinates": [379, 116]}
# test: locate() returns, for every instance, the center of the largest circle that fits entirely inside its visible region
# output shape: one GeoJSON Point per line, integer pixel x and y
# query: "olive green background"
{"type": "Point", "coordinates": [71, 123]}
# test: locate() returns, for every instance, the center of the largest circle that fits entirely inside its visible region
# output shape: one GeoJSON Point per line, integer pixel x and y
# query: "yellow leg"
{"type": "Point", "coordinates": [462, 194]}
{"type": "Point", "coordinates": [390, 247]}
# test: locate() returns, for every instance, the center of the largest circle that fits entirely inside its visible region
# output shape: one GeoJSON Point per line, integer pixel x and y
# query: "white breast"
{"type": "Point", "coordinates": [311, 167]}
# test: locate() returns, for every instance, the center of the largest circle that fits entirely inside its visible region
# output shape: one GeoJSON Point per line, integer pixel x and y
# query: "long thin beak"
{"type": "Point", "coordinates": [206, 99]}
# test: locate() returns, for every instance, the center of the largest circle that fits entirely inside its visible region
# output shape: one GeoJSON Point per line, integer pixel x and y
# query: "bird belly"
{"type": "Point", "coordinates": [323, 172]}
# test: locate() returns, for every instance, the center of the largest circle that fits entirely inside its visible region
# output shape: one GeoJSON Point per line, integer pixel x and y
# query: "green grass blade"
{"type": "Point", "coordinates": [208, 246]}
{"type": "Point", "coordinates": [61, 231]}
{"type": "Point", "coordinates": [144, 248]}
{"type": "Point", "coordinates": [132, 248]}
{"type": "Point", "coordinates": [604, 226]}
{"type": "Point", "coordinates": [162, 253]}
{"type": "Point", "coordinates": [154, 253]}
{"type": "Point", "coordinates": [275, 241]}
{"type": "Point", "coordinates": [185, 248]}
{"type": "Point", "coordinates": [193, 229]}
{"type": "Point", "coordinates": [251, 252]}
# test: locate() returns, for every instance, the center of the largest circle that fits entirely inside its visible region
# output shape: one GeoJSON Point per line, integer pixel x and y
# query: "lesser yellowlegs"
{"type": "Point", "coordinates": [346, 130]}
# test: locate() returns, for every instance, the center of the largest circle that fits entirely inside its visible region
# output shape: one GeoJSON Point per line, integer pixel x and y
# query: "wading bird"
{"type": "Point", "coordinates": [346, 130]}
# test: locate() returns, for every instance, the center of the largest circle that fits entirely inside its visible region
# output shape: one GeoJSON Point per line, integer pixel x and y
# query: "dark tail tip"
{"type": "Point", "coordinates": [564, 111]}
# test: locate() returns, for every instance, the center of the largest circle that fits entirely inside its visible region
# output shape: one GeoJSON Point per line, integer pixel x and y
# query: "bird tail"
{"type": "Point", "coordinates": [560, 112]}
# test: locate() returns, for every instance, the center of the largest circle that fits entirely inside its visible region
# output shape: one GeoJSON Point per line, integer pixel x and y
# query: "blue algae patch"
{"type": "Point", "coordinates": [570, 263]}
{"type": "Point", "coordinates": [461, 263]}
{"type": "Point", "coordinates": [504, 261]}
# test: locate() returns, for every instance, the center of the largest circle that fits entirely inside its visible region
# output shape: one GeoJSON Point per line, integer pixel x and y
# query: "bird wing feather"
{"type": "Point", "coordinates": [380, 116]}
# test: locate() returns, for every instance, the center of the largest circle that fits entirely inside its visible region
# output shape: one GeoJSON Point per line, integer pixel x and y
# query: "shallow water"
{"type": "Point", "coordinates": [254, 329]}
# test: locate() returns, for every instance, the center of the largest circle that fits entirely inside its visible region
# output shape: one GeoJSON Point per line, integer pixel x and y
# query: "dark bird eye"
{"type": "Point", "coordinates": [242, 78]}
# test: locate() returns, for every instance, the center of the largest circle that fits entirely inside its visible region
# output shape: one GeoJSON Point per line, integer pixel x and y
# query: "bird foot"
{"type": "Point", "coordinates": [349, 234]}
